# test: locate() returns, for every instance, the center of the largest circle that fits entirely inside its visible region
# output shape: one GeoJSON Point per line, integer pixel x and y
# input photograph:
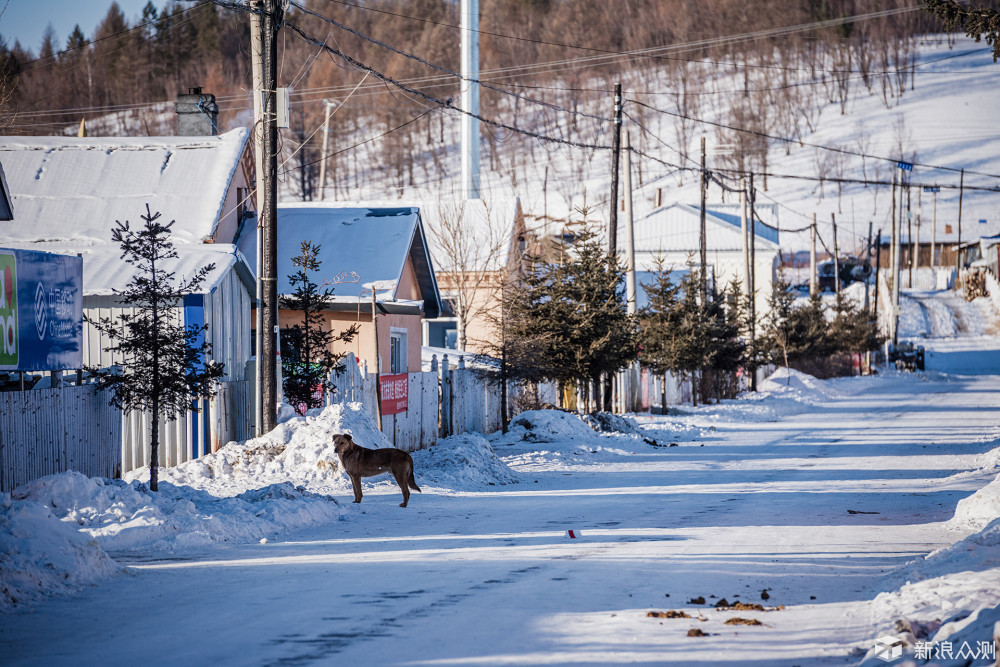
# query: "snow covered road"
{"type": "Point", "coordinates": [812, 496]}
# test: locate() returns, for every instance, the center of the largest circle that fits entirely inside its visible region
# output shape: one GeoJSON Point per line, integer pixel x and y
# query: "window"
{"type": "Point", "coordinates": [397, 350]}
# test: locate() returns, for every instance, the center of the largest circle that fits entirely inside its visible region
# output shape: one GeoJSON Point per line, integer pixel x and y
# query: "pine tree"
{"type": "Point", "coordinates": [306, 355]}
{"type": "Point", "coordinates": [162, 362]}
{"type": "Point", "coordinates": [572, 317]}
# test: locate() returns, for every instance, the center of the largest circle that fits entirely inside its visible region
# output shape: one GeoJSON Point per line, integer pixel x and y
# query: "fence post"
{"type": "Point", "coordinates": [445, 398]}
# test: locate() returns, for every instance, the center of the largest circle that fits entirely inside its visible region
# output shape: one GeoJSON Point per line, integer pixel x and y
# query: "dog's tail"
{"type": "Point", "coordinates": [413, 483]}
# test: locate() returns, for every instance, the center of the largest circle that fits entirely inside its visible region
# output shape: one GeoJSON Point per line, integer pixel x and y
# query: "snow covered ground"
{"type": "Point", "coordinates": [857, 507]}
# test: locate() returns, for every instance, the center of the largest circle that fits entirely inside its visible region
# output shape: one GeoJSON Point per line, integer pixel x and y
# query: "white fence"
{"type": "Point", "coordinates": [46, 431]}
{"type": "Point", "coordinates": [200, 431]}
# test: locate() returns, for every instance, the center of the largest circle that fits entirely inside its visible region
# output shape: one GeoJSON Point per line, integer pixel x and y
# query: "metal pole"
{"type": "Point", "coordinates": [934, 234]}
{"type": "Point", "coordinates": [326, 144]}
{"type": "Point", "coordinates": [270, 20]}
{"type": "Point", "coordinates": [630, 286]}
{"type": "Point", "coordinates": [615, 150]}
{"type": "Point", "coordinates": [896, 268]}
{"type": "Point", "coordinates": [470, 98]}
{"type": "Point", "coordinates": [378, 365]}
{"type": "Point", "coordinates": [753, 276]}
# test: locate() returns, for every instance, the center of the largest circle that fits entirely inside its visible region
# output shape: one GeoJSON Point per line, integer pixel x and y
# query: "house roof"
{"type": "Point", "coordinates": [677, 228]}
{"type": "Point", "coordinates": [74, 189]}
{"type": "Point", "coordinates": [373, 241]}
{"type": "Point", "coordinates": [104, 271]}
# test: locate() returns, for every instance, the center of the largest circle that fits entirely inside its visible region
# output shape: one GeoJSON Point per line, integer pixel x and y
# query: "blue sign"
{"type": "Point", "coordinates": [982, 222]}
{"type": "Point", "coordinates": [905, 166]}
{"type": "Point", "coordinates": [932, 188]}
{"type": "Point", "coordinates": [41, 311]}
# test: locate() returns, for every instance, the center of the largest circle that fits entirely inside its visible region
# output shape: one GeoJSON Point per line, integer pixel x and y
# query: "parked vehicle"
{"type": "Point", "coordinates": [907, 356]}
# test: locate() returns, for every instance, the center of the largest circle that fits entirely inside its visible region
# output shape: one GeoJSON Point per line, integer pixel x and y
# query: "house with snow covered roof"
{"type": "Point", "coordinates": [380, 249]}
{"type": "Point", "coordinates": [70, 191]}
{"type": "Point", "coordinates": [673, 233]}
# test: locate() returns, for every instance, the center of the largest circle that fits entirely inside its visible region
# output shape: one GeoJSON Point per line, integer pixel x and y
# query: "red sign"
{"type": "Point", "coordinates": [395, 393]}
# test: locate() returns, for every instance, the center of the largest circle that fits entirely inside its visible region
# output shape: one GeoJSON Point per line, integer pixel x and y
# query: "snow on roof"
{"type": "Point", "coordinates": [104, 271]}
{"type": "Point", "coordinates": [675, 228]}
{"type": "Point", "coordinates": [74, 189]}
{"type": "Point", "coordinates": [373, 241]}
{"type": "Point", "coordinates": [470, 234]}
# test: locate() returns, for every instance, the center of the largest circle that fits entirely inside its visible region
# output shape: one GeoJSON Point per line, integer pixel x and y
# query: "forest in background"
{"type": "Point", "coordinates": [568, 54]}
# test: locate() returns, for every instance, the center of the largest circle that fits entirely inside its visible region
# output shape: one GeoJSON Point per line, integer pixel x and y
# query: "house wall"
{"type": "Point", "coordinates": [239, 191]}
{"type": "Point", "coordinates": [363, 344]}
{"type": "Point", "coordinates": [484, 307]}
{"type": "Point", "coordinates": [227, 314]}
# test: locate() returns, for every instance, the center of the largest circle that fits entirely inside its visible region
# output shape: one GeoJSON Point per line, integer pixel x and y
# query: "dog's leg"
{"type": "Point", "coordinates": [412, 482]}
{"type": "Point", "coordinates": [356, 481]}
{"type": "Point", "coordinates": [401, 480]}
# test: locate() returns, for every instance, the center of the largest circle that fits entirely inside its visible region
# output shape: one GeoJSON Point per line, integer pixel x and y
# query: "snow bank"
{"type": "Point", "coordinates": [789, 380]}
{"type": "Point", "coordinates": [462, 462]}
{"type": "Point", "coordinates": [980, 509]}
{"type": "Point", "coordinates": [123, 516]}
{"type": "Point", "coordinates": [550, 426]}
{"type": "Point", "coordinates": [299, 450]}
{"type": "Point", "coordinates": [41, 555]}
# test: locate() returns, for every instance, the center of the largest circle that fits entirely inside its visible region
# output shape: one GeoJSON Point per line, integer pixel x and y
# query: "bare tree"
{"type": "Point", "coordinates": [472, 239]}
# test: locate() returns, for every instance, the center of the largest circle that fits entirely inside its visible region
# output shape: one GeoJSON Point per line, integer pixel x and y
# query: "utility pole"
{"type": "Point", "coordinates": [961, 192]}
{"type": "Point", "coordinates": [909, 234]}
{"type": "Point", "coordinates": [896, 243]}
{"type": "Point", "coordinates": [836, 256]}
{"type": "Point", "coordinates": [630, 287]}
{"type": "Point", "coordinates": [868, 262]}
{"type": "Point", "coordinates": [257, 67]}
{"type": "Point", "coordinates": [615, 150]}
{"type": "Point", "coordinates": [934, 231]}
{"type": "Point", "coordinates": [753, 271]}
{"type": "Point", "coordinates": [268, 351]}
{"type": "Point", "coordinates": [703, 240]}
{"type": "Point", "coordinates": [745, 231]}
{"type": "Point", "coordinates": [326, 143]}
{"type": "Point", "coordinates": [813, 282]}
{"type": "Point", "coordinates": [634, 404]}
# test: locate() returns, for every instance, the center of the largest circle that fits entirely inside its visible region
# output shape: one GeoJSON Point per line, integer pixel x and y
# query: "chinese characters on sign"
{"type": "Point", "coordinates": [394, 392]}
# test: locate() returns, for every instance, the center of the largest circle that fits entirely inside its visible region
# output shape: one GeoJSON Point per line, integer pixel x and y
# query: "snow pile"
{"type": "Point", "coordinates": [791, 381]}
{"type": "Point", "coordinates": [549, 426]}
{"type": "Point", "coordinates": [41, 555]}
{"type": "Point", "coordinates": [462, 462]}
{"type": "Point", "coordinates": [299, 451]}
{"type": "Point", "coordinates": [124, 516]}
{"type": "Point", "coordinates": [980, 509]}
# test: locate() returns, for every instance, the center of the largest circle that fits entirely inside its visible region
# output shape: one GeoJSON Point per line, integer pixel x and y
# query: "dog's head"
{"type": "Point", "coordinates": [342, 442]}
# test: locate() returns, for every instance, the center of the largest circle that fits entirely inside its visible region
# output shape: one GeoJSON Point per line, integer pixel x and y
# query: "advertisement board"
{"type": "Point", "coordinates": [394, 391]}
{"type": "Point", "coordinates": [41, 311]}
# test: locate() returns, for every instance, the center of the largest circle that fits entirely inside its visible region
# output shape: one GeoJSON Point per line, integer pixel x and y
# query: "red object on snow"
{"type": "Point", "coordinates": [572, 534]}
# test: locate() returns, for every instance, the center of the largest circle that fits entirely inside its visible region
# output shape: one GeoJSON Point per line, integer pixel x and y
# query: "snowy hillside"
{"type": "Point", "coordinates": [942, 121]}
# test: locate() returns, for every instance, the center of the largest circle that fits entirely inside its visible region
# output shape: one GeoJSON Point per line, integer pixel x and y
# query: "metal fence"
{"type": "Point", "coordinates": [47, 431]}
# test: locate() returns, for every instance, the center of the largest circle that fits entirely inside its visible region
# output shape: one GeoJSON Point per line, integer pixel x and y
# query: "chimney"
{"type": "Point", "coordinates": [197, 114]}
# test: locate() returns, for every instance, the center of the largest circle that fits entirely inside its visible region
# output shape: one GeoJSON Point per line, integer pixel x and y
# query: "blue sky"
{"type": "Point", "coordinates": [25, 20]}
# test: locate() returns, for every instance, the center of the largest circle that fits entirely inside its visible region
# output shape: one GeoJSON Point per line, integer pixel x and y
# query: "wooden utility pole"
{"type": "Point", "coordinates": [745, 232]}
{"type": "Point", "coordinates": [703, 241]}
{"type": "Point", "coordinates": [615, 150]}
{"type": "Point", "coordinates": [813, 282]}
{"type": "Point", "coordinates": [896, 244]}
{"type": "Point", "coordinates": [868, 261]}
{"type": "Point", "coordinates": [836, 256]}
{"type": "Point", "coordinates": [257, 67]}
{"type": "Point", "coordinates": [270, 19]}
{"type": "Point", "coordinates": [752, 196]}
{"type": "Point", "coordinates": [961, 193]}
{"type": "Point", "coordinates": [909, 235]}
{"type": "Point", "coordinates": [934, 231]}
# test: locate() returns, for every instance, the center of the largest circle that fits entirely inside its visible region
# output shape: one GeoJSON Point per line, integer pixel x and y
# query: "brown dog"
{"type": "Point", "coordinates": [360, 462]}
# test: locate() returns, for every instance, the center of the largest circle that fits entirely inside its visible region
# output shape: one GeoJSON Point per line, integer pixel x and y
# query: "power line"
{"type": "Point", "coordinates": [430, 98]}
{"type": "Point", "coordinates": [833, 149]}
